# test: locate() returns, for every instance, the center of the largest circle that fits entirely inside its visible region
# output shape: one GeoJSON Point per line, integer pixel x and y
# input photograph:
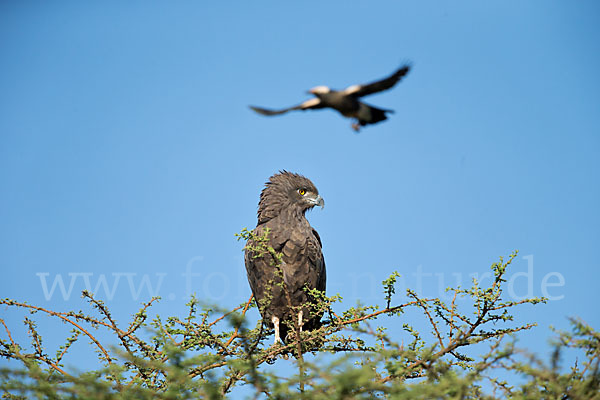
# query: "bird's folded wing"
{"type": "Point", "coordinates": [308, 104]}
{"type": "Point", "coordinates": [378, 86]}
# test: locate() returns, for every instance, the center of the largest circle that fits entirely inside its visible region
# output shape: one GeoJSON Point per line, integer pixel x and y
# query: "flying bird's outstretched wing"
{"type": "Point", "coordinates": [308, 104]}
{"type": "Point", "coordinates": [374, 87]}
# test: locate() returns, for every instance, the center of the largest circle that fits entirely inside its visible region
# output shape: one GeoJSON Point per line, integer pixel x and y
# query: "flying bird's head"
{"type": "Point", "coordinates": [288, 193]}
{"type": "Point", "coordinates": [318, 90]}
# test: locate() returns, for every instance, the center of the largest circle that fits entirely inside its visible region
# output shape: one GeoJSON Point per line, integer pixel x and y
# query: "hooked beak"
{"type": "Point", "coordinates": [318, 201]}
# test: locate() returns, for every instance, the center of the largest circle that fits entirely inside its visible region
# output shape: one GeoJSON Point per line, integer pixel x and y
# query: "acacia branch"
{"type": "Point", "coordinates": [235, 333]}
{"type": "Point", "coordinates": [61, 316]}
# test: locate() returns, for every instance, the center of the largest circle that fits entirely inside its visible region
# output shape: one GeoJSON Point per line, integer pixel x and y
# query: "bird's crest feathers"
{"type": "Point", "coordinates": [276, 194]}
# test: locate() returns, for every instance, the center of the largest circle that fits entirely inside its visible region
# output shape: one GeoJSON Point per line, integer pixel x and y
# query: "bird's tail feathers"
{"type": "Point", "coordinates": [377, 115]}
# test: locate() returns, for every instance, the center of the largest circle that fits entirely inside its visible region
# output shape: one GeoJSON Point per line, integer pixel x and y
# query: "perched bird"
{"type": "Point", "coordinates": [283, 203]}
{"type": "Point", "coordinates": [347, 102]}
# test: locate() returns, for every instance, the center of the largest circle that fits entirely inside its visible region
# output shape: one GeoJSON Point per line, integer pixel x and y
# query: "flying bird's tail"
{"type": "Point", "coordinates": [372, 115]}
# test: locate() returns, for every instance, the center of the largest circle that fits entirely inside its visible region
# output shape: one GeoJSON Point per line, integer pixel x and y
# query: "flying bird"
{"type": "Point", "coordinates": [283, 203]}
{"type": "Point", "coordinates": [347, 102]}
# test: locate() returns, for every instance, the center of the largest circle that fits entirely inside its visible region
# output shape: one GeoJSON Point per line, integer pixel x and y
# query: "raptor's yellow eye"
{"type": "Point", "coordinates": [302, 192]}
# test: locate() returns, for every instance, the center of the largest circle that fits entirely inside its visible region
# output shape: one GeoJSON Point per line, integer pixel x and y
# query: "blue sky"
{"type": "Point", "coordinates": [127, 149]}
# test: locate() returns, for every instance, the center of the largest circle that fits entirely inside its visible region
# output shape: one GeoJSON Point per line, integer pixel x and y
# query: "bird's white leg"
{"type": "Point", "coordinates": [300, 320]}
{"type": "Point", "coordinates": [275, 322]}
